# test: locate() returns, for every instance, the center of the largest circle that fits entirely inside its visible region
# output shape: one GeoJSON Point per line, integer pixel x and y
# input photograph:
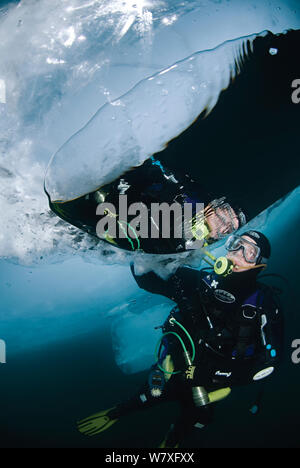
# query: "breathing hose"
{"type": "Point", "coordinates": [172, 320]}
{"type": "Point", "coordinates": [200, 395]}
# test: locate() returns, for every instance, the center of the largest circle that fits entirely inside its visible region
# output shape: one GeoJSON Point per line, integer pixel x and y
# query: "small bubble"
{"type": "Point", "coordinates": [273, 51]}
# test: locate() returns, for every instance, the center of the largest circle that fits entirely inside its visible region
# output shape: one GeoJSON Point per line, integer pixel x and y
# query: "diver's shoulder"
{"type": "Point", "coordinates": [269, 299]}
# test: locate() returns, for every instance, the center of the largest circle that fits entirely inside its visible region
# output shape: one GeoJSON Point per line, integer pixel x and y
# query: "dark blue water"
{"type": "Point", "coordinates": [42, 395]}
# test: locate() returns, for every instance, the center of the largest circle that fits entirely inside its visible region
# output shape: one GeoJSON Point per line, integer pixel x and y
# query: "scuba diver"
{"type": "Point", "coordinates": [226, 330]}
{"type": "Point", "coordinates": [146, 185]}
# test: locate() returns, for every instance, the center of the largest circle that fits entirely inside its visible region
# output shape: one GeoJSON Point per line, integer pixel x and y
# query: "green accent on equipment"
{"type": "Point", "coordinates": [222, 266]}
{"type": "Point", "coordinates": [172, 320]}
{"type": "Point", "coordinates": [218, 395]}
{"type": "Point", "coordinates": [200, 230]}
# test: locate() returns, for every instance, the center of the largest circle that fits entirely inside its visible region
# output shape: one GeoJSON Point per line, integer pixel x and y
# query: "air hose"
{"type": "Point", "coordinates": [200, 395]}
{"type": "Point", "coordinates": [173, 320]}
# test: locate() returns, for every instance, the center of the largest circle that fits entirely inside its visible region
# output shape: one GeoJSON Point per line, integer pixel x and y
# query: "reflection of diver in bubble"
{"type": "Point", "coordinates": [225, 331]}
{"type": "Point", "coordinates": [151, 184]}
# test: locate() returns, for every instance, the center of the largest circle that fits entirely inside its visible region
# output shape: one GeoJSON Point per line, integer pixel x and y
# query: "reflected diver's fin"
{"type": "Point", "coordinates": [96, 423]}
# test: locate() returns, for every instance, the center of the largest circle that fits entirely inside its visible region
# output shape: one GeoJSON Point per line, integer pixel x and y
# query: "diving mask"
{"type": "Point", "coordinates": [222, 219]}
{"type": "Point", "coordinates": [251, 251]}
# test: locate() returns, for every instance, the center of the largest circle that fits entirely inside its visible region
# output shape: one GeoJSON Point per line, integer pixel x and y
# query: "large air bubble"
{"type": "Point", "coordinates": [62, 60]}
{"type": "Point", "coordinates": [127, 131]}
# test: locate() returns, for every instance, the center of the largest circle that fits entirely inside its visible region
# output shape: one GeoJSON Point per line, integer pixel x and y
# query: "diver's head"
{"type": "Point", "coordinates": [251, 250]}
{"type": "Point", "coordinates": [222, 218]}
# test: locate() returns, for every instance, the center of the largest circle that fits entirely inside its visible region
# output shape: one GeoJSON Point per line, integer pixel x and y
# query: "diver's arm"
{"type": "Point", "coordinates": [272, 332]}
{"type": "Point", "coordinates": [272, 341]}
{"type": "Point", "coordinates": [153, 283]}
{"type": "Point", "coordinates": [178, 287]}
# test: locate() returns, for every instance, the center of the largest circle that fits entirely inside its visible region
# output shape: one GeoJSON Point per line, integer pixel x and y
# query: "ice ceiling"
{"type": "Point", "coordinates": [61, 61]}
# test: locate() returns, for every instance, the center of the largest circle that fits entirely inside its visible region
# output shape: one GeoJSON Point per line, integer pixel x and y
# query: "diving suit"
{"type": "Point", "coordinates": [223, 332]}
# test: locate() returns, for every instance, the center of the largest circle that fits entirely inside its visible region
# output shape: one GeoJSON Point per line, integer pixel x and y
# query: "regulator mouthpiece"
{"type": "Point", "coordinates": [223, 266]}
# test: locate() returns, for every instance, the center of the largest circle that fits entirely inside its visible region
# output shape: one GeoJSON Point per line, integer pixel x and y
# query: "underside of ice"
{"type": "Point", "coordinates": [127, 131]}
{"type": "Point", "coordinates": [63, 61]}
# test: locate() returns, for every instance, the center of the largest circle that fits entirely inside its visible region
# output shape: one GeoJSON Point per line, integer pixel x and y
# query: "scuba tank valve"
{"type": "Point", "coordinates": [200, 395]}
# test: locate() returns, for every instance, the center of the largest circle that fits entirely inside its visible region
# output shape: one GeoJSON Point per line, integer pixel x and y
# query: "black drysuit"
{"type": "Point", "coordinates": [236, 324]}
